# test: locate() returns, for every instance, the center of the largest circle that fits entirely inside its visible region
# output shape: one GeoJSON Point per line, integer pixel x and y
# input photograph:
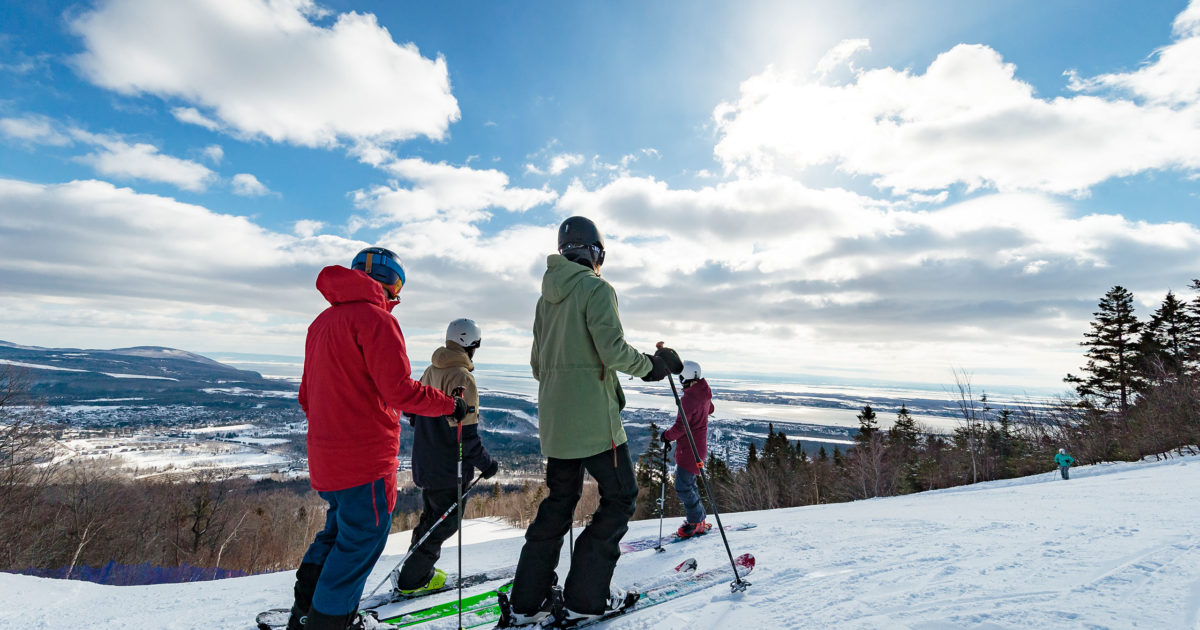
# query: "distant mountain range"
{"type": "Point", "coordinates": [149, 375]}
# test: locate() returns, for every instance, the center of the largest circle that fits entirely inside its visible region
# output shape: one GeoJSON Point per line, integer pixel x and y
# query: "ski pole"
{"type": "Point", "coordinates": [457, 393]}
{"type": "Point", "coordinates": [396, 569]}
{"type": "Point", "coordinates": [662, 498]}
{"type": "Point", "coordinates": [738, 583]}
{"type": "Point", "coordinates": [423, 537]}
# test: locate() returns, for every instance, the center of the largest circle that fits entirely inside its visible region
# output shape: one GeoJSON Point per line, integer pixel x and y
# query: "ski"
{"type": "Point", "coordinates": [673, 590]}
{"type": "Point", "coordinates": [483, 606]}
{"type": "Point", "coordinates": [653, 543]}
{"type": "Point", "coordinates": [277, 618]}
{"type": "Point", "coordinates": [483, 610]}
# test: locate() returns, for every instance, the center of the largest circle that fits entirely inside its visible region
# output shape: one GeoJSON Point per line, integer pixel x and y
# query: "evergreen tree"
{"type": "Point", "coordinates": [652, 478]}
{"type": "Point", "coordinates": [752, 457]}
{"type": "Point", "coordinates": [649, 465]}
{"type": "Point", "coordinates": [1003, 446]}
{"type": "Point", "coordinates": [1193, 309]}
{"type": "Point", "coordinates": [800, 454]}
{"type": "Point", "coordinates": [822, 455]}
{"type": "Point", "coordinates": [776, 450]}
{"type": "Point", "coordinates": [1169, 340]}
{"type": "Point", "coordinates": [837, 457]}
{"type": "Point", "coordinates": [1110, 373]}
{"type": "Point", "coordinates": [718, 470]}
{"type": "Point", "coordinates": [904, 432]}
{"type": "Point", "coordinates": [867, 426]}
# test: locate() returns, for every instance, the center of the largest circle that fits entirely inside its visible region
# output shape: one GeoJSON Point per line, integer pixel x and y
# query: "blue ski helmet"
{"type": "Point", "coordinates": [383, 265]}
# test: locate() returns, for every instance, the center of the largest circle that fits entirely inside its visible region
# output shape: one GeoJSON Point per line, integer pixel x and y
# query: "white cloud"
{"type": "Point", "coordinates": [563, 161]}
{"type": "Point", "coordinates": [120, 159]}
{"type": "Point", "coordinates": [836, 278]}
{"type": "Point", "coordinates": [247, 185]}
{"type": "Point", "coordinates": [264, 69]}
{"type": "Point", "coordinates": [967, 120]}
{"type": "Point", "coordinates": [34, 129]}
{"type": "Point", "coordinates": [192, 116]}
{"type": "Point", "coordinates": [441, 190]}
{"type": "Point", "coordinates": [556, 165]}
{"type": "Point", "coordinates": [306, 228]}
{"type": "Point", "coordinates": [214, 153]}
{"type": "Point", "coordinates": [114, 156]}
{"type": "Point", "coordinates": [149, 269]}
{"type": "Point", "coordinates": [840, 54]}
{"type": "Point", "coordinates": [126, 245]}
{"type": "Point", "coordinates": [1170, 78]}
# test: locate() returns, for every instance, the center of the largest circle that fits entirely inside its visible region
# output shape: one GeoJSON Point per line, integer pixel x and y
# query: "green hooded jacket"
{"type": "Point", "coordinates": [578, 348]}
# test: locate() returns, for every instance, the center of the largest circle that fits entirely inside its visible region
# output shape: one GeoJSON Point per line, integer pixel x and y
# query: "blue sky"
{"type": "Point", "coordinates": [837, 188]}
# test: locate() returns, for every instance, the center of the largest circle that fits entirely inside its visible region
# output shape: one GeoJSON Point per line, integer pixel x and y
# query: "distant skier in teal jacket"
{"type": "Point", "coordinates": [1064, 462]}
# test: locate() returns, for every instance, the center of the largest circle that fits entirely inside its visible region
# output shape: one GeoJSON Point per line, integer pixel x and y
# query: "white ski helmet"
{"type": "Point", "coordinates": [464, 332]}
{"type": "Point", "coordinates": [691, 371]}
{"type": "Point", "coordinates": [1063, 451]}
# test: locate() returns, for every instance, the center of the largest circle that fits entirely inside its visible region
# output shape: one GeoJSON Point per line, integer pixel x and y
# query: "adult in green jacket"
{"type": "Point", "coordinates": [578, 349]}
{"type": "Point", "coordinates": [1064, 462]}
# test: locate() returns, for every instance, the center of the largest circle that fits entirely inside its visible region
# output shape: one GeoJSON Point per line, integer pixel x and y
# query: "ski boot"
{"type": "Point", "coordinates": [619, 601]}
{"type": "Point", "coordinates": [687, 530]}
{"type": "Point", "coordinates": [357, 620]}
{"type": "Point", "coordinates": [437, 582]}
{"type": "Point", "coordinates": [510, 618]}
{"type": "Point", "coordinates": [367, 621]}
{"type": "Point", "coordinates": [306, 584]}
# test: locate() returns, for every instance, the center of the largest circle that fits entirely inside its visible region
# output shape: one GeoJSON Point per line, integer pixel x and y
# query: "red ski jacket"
{"type": "Point", "coordinates": [357, 381]}
{"type": "Point", "coordinates": [697, 402]}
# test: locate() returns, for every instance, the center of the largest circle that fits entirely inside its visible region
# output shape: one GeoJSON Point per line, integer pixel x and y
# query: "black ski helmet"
{"type": "Point", "coordinates": [382, 265]}
{"type": "Point", "coordinates": [580, 241]}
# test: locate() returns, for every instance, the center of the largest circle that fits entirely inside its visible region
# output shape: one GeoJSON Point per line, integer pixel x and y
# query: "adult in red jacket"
{"type": "Point", "coordinates": [697, 404]}
{"type": "Point", "coordinates": [357, 381]}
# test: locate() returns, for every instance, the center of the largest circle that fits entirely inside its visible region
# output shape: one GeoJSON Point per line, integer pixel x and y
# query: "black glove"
{"type": "Point", "coordinates": [412, 419]}
{"type": "Point", "coordinates": [658, 369]}
{"type": "Point", "coordinates": [490, 471]}
{"type": "Point", "coordinates": [666, 446]}
{"type": "Point", "coordinates": [461, 409]}
{"type": "Point", "coordinates": [671, 358]}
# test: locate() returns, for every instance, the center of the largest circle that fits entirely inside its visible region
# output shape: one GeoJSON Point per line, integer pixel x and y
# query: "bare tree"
{"type": "Point", "coordinates": [971, 418]}
{"type": "Point", "coordinates": [25, 469]}
{"type": "Point", "coordinates": [89, 503]}
{"type": "Point", "coordinates": [232, 534]}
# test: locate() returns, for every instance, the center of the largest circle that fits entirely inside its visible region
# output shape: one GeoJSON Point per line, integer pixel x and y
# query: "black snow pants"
{"type": "Point", "coordinates": [418, 569]}
{"type": "Point", "coordinates": [596, 549]}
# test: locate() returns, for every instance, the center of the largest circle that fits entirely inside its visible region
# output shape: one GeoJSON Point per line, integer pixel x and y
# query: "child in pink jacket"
{"type": "Point", "coordinates": [697, 404]}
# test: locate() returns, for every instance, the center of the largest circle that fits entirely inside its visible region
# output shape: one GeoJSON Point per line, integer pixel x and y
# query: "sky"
{"type": "Point", "coordinates": [842, 190]}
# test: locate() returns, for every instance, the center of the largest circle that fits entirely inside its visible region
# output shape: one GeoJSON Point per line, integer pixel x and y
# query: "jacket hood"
{"type": "Point", "coordinates": [699, 388]}
{"type": "Point", "coordinates": [449, 356]}
{"type": "Point", "coordinates": [561, 278]}
{"type": "Point", "coordinates": [340, 285]}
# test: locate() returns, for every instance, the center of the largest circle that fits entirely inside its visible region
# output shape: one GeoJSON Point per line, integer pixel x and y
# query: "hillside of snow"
{"type": "Point", "coordinates": [1114, 547]}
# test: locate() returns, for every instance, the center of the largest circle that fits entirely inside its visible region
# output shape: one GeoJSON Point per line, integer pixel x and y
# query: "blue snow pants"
{"type": "Point", "coordinates": [689, 494]}
{"type": "Point", "coordinates": [356, 530]}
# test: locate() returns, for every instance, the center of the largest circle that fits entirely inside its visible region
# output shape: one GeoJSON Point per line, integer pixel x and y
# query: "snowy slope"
{"type": "Point", "coordinates": [1114, 547]}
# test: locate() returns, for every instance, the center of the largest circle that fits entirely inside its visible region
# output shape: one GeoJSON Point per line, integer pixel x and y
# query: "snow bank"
{"type": "Point", "coordinates": [1115, 547]}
